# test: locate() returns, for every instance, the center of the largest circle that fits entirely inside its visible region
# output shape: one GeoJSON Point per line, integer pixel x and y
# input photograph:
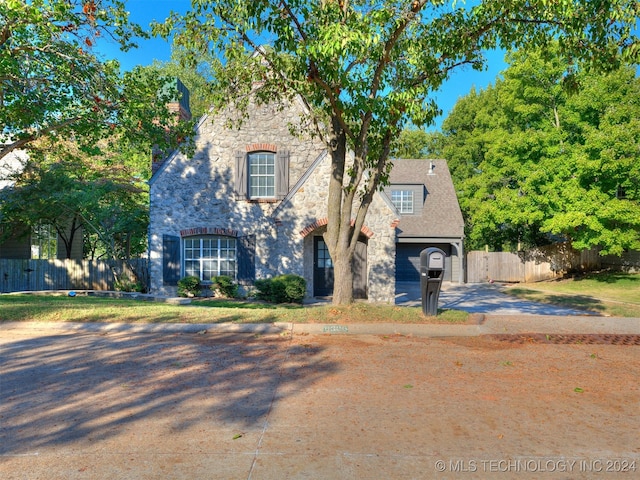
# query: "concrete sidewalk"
{"type": "Point", "coordinates": [484, 325]}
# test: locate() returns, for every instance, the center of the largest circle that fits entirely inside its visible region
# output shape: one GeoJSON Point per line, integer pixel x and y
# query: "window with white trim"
{"type": "Point", "coordinates": [403, 200]}
{"type": "Point", "coordinates": [44, 242]}
{"type": "Point", "coordinates": [262, 175]}
{"type": "Point", "coordinates": [209, 256]}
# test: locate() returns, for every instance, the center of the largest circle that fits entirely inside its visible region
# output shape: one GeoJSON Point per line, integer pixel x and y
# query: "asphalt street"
{"type": "Point", "coordinates": [284, 400]}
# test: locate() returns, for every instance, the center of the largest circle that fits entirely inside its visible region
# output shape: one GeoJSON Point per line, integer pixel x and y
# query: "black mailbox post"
{"type": "Point", "coordinates": [431, 275]}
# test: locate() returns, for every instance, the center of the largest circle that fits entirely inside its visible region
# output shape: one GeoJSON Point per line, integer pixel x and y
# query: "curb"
{"type": "Point", "coordinates": [482, 325]}
{"type": "Point", "coordinates": [418, 330]}
{"type": "Point", "coordinates": [415, 330]}
{"type": "Point", "coordinates": [77, 327]}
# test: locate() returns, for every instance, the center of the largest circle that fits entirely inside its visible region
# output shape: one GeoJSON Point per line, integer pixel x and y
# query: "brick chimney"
{"type": "Point", "coordinates": [179, 106]}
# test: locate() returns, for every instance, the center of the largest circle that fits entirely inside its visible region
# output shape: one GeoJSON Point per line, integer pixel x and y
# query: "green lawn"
{"type": "Point", "coordinates": [614, 294]}
{"type": "Point", "coordinates": [610, 294]}
{"type": "Point", "coordinates": [51, 308]}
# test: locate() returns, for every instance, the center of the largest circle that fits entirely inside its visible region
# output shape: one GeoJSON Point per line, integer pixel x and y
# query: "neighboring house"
{"type": "Point", "coordinates": [41, 242]}
{"type": "Point", "coordinates": [252, 203]}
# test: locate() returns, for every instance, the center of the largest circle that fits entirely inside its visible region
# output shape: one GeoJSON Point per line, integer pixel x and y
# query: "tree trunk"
{"type": "Point", "coordinates": [67, 234]}
{"type": "Point", "coordinates": [343, 279]}
{"type": "Point", "coordinates": [343, 227]}
{"type": "Point", "coordinates": [339, 208]}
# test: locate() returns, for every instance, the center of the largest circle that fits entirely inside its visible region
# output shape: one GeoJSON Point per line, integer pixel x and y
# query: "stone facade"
{"type": "Point", "coordinates": [197, 194]}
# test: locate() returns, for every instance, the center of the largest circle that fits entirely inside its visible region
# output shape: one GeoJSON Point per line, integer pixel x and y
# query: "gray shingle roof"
{"type": "Point", "coordinates": [440, 215]}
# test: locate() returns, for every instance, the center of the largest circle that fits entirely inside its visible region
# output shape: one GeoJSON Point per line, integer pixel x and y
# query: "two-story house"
{"type": "Point", "coordinates": [252, 203]}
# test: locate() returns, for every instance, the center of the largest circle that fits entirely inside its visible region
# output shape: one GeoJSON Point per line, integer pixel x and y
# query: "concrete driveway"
{"type": "Point", "coordinates": [479, 298]}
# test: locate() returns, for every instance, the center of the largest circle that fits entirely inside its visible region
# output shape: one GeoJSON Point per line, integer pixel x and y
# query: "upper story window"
{"type": "Point", "coordinates": [262, 175]}
{"type": "Point", "coordinates": [403, 200]}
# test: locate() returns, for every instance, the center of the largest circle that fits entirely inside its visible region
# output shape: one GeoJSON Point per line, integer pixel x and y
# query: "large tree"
{"type": "Point", "coordinates": [417, 143]}
{"type": "Point", "coordinates": [53, 85]}
{"type": "Point", "coordinates": [75, 193]}
{"type": "Point", "coordinates": [365, 68]}
{"type": "Point", "coordinates": [543, 155]}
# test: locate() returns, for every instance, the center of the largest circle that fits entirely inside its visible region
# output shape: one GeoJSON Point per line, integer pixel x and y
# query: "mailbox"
{"type": "Point", "coordinates": [431, 275]}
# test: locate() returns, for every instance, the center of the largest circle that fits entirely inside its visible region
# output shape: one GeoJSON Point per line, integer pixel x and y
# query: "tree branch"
{"type": "Point", "coordinates": [7, 149]}
{"type": "Point", "coordinates": [293, 18]}
{"type": "Point", "coordinates": [391, 42]}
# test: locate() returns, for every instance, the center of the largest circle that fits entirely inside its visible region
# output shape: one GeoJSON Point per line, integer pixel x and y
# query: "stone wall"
{"type": "Point", "coordinates": [308, 208]}
{"type": "Point", "coordinates": [198, 192]}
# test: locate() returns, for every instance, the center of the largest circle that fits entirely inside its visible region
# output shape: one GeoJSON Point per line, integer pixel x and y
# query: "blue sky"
{"type": "Point", "coordinates": [145, 11]}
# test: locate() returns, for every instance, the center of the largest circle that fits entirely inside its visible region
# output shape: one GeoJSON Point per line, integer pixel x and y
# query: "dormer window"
{"type": "Point", "coordinates": [403, 201]}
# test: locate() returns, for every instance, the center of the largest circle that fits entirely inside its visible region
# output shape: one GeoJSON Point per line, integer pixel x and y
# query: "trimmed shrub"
{"type": "Point", "coordinates": [287, 288]}
{"type": "Point", "coordinates": [189, 286]}
{"type": "Point", "coordinates": [225, 285]}
{"type": "Point", "coordinates": [125, 284]}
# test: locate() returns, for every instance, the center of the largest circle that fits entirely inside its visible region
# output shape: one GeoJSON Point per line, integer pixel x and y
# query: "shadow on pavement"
{"type": "Point", "coordinates": [60, 389]}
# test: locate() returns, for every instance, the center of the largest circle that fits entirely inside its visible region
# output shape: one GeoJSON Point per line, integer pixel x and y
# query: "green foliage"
{"type": "Point", "coordinates": [225, 285]}
{"type": "Point", "coordinates": [88, 129]}
{"type": "Point", "coordinates": [54, 86]}
{"type": "Point", "coordinates": [534, 162]}
{"type": "Point", "coordinates": [189, 286]}
{"type": "Point", "coordinates": [416, 143]}
{"type": "Point", "coordinates": [195, 75]}
{"type": "Point", "coordinates": [287, 288]}
{"type": "Point", "coordinates": [126, 284]}
{"type": "Point", "coordinates": [63, 187]}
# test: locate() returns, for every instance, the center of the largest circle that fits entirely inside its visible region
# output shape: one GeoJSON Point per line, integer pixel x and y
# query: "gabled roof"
{"type": "Point", "coordinates": [299, 183]}
{"type": "Point", "coordinates": [440, 216]}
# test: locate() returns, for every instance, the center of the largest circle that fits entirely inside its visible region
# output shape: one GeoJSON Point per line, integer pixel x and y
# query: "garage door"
{"type": "Point", "coordinates": [408, 261]}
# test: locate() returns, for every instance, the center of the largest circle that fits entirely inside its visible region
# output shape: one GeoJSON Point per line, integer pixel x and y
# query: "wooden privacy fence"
{"type": "Point", "coordinates": [627, 262]}
{"type": "Point", "coordinates": [543, 263]}
{"type": "Point", "coordinates": [35, 275]}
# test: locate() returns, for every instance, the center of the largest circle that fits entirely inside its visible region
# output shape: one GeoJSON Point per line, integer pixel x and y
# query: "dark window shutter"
{"type": "Point", "coordinates": [240, 180]}
{"type": "Point", "coordinates": [170, 259]}
{"type": "Point", "coordinates": [282, 174]}
{"type": "Point", "coordinates": [246, 259]}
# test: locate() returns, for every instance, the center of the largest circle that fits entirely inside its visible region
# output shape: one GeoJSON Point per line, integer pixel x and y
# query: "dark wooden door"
{"type": "Point", "coordinates": [322, 269]}
{"type": "Point", "coordinates": [360, 271]}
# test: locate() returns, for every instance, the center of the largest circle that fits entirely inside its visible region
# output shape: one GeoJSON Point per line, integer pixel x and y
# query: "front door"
{"type": "Point", "coordinates": [360, 271]}
{"type": "Point", "coordinates": [323, 270]}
